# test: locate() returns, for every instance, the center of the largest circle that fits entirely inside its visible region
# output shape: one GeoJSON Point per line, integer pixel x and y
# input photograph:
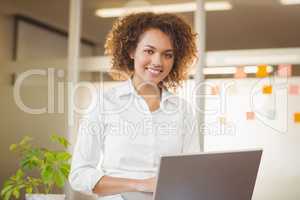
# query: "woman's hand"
{"type": "Point", "coordinates": [108, 185]}
{"type": "Point", "coordinates": [146, 185]}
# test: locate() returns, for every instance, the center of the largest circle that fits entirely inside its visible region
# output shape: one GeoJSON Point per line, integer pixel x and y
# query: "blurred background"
{"type": "Point", "coordinates": [251, 77]}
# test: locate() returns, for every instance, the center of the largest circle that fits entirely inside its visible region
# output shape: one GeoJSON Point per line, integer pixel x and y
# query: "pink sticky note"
{"type": "Point", "coordinates": [284, 70]}
{"type": "Point", "coordinates": [250, 115]}
{"type": "Point", "coordinates": [240, 73]}
{"type": "Point", "coordinates": [294, 89]}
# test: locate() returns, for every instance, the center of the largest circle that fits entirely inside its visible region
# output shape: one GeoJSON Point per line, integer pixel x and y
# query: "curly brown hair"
{"type": "Point", "coordinates": [124, 37]}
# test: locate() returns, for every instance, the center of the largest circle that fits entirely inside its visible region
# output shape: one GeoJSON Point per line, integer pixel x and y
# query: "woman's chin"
{"type": "Point", "coordinates": [152, 81]}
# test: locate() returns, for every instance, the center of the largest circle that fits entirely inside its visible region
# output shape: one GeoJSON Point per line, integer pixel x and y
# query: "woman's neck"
{"type": "Point", "coordinates": [148, 90]}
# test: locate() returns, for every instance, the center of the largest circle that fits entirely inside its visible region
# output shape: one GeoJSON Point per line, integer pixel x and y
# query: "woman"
{"type": "Point", "coordinates": [118, 148]}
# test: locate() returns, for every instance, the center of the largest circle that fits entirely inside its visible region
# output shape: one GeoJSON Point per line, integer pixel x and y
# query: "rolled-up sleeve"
{"type": "Point", "coordinates": [191, 139]}
{"type": "Point", "coordinates": [87, 153]}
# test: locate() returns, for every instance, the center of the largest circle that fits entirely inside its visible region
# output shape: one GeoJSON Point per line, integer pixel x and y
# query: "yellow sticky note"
{"type": "Point", "coordinates": [267, 89]}
{"type": "Point", "coordinates": [222, 120]}
{"type": "Point", "coordinates": [297, 117]}
{"type": "Point", "coordinates": [261, 71]}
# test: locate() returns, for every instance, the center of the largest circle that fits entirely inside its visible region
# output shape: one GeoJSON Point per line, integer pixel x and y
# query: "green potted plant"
{"type": "Point", "coordinates": [51, 169]}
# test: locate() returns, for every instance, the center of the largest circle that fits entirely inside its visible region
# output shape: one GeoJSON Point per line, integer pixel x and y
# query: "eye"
{"type": "Point", "coordinates": [169, 55]}
{"type": "Point", "coordinates": [149, 51]}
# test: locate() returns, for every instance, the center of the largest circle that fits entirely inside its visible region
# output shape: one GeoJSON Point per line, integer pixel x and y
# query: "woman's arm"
{"type": "Point", "coordinates": [86, 177]}
{"type": "Point", "coordinates": [112, 185]}
{"type": "Point", "coordinates": [88, 150]}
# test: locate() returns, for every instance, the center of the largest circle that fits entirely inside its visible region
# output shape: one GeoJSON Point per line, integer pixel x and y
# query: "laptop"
{"type": "Point", "coordinates": [208, 176]}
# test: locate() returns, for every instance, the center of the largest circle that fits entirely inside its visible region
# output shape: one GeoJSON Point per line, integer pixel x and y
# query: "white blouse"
{"type": "Point", "coordinates": [123, 138]}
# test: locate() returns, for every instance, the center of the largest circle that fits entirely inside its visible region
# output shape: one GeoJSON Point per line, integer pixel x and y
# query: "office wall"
{"type": "Point", "coordinates": [6, 37]}
{"type": "Point", "coordinates": [34, 42]}
{"type": "Point", "coordinates": [15, 123]}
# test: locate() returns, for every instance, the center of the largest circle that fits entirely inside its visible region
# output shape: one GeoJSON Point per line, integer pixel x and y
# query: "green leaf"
{"type": "Point", "coordinates": [31, 159]}
{"type": "Point", "coordinates": [25, 140]}
{"type": "Point", "coordinates": [19, 174]}
{"type": "Point", "coordinates": [47, 174]}
{"type": "Point", "coordinates": [59, 179]}
{"type": "Point", "coordinates": [29, 190]}
{"type": "Point", "coordinates": [5, 189]}
{"type": "Point", "coordinates": [13, 147]}
{"type": "Point", "coordinates": [8, 195]}
{"type": "Point", "coordinates": [65, 169]}
{"type": "Point", "coordinates": [50, 156]}
{"type": "Point", "coordinates": [63, 156]}
{"type": "Point", "coordinates": [16, 193]}
{"type": "Point", "coordinates": [61, 140]}
{"type": "Point", "coordinates": [32, 184]}
{"type": "Point", "coordinates": [8, 182]}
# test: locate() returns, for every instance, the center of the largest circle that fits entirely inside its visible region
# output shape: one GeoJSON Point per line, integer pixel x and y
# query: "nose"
{"type": "Point", "coordinates": [156, 59]}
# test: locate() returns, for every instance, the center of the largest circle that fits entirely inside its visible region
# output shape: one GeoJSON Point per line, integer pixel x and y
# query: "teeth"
{"type": "Point", "coordinates": [154, 71]}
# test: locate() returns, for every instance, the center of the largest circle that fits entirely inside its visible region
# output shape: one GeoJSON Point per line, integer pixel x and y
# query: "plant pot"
{"type": "Point", "coordinates": [45, 197]}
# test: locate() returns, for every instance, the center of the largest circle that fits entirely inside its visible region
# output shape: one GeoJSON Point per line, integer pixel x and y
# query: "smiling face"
{"type": "Point", "coordinates": [153, 57]}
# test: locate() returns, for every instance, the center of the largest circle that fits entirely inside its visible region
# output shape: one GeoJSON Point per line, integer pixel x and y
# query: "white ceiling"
{"type": "Point", "coordinates": [250, 24]}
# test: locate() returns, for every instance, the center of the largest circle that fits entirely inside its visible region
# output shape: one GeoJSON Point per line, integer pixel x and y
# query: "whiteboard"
{"type": "Point", "coordinates": [273, 129]}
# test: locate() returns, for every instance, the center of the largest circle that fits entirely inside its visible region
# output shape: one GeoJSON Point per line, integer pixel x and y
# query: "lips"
{"type": "Point", "coordinates": [154, 71]}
